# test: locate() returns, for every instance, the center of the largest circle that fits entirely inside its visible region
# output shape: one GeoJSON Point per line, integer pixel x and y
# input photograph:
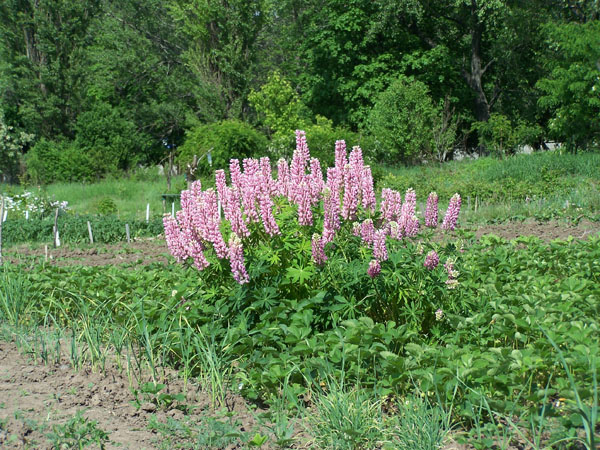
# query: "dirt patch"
{"type": "Point", "coordinates": [38, 404]}
{"type": "Point", "coordinates": [547, 231]}
{"type": "Point", "coordinates": [142, 252]}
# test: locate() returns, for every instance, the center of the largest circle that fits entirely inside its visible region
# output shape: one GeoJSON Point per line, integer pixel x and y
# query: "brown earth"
{"type": "Point", "coordinates": [35, 397]}
{"type": "Point", "coordinates": [547, 231]}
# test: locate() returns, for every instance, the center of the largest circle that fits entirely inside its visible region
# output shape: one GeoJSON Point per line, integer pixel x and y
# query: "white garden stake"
{"type": "Point", "coordinates": [147, 212]}
{"type": "Point", "coordinates": [90, 232]}
{"type": "Point", "coordinates": [27, 215]}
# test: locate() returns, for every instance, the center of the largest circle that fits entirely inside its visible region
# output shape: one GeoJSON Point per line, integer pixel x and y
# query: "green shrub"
{"type": "Point", "coordinates": [51, 161]}
{"type": "Point", "coordinates": [106, 206]}
{"type": "Point", "coordinates": [279, 107]}
{"type": "Point", "coordinates": [321, 138]}
{"type": "Point", "coordinates": [109, 139]}
{"type": "Point", "coordinates": [571, 90]}
{"type": "Point", "coordinates": [502, 137]}
{"type": "Point", "coordinates": [225, 140]}
{"type": "Point", "coordinates": [402, 122]}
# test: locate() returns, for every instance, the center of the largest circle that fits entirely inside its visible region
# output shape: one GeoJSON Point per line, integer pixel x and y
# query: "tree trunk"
{"type": "Point", "coordinates": [474, 77]}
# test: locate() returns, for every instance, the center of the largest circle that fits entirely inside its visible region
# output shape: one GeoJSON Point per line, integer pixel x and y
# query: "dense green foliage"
{"type": "Point", "coordinates": [108, 83]}
{"type": "Point", "coordinates": [296, 323]}
{"type": "Point", "coordinates": [402, 121]}
{"type": "Point", "coordinates": [214, 144]}
{"type": "Point", "coordinates": [73, 229]}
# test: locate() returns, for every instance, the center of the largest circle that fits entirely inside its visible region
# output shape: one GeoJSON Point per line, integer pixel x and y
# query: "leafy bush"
{"type": "Point", "coordinates": [279, 107]}
{"type": "Point", "coordinates": [224, 140]}
{"type": "Point", "coordinates": [51, 161]}
{"type": "Point", "coordinates": [12, 143]}
{"type": "Point", "coordinates": [571, 92]}
{"type": "Point", "coordinates": [402, 120]}
{"type": "Point", "coordinates": [321, 138]}
{"type": "Point", "coordinates": [502, 137]}
{"type": "Point", "coordinates": [109, 139]}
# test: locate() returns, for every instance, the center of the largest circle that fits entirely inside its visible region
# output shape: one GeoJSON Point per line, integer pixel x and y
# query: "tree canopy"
{"type": "Point", "coordinates": [113, 81]}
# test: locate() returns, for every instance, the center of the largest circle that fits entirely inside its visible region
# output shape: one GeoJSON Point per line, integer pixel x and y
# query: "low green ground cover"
{"type": "Point", "coordinates": [494, 354]}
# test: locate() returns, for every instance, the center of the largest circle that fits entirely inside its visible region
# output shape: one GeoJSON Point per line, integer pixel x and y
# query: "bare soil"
{"type": "Point", "coordinates": [546, 231]}
{"type": "Point", "coordinates": [35, 397]}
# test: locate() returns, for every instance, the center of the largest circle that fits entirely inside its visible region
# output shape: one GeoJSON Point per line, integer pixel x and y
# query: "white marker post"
{"type": "Point", "coordinates": [90, 232]}
{"type": "Point", "coordinates": [173, 209]}
{"type": "Point", "coordinates": [1, 213]}
{"type": "Point", "coordinates": [55, 230]}
{"type": "Point", "coordinates": [147, 212]}
{"type": "Point", "coordinates": [127, 233]}
{"type": "Point", "coordinates": [27, 214]}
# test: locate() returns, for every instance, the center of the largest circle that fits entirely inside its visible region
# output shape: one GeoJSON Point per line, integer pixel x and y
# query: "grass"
{"type": "Point", "coordinates": [542, 185]}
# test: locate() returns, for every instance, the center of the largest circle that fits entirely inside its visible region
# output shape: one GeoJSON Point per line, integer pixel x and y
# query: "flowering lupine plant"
{"type": "Point", "coordinates": [226, 219]}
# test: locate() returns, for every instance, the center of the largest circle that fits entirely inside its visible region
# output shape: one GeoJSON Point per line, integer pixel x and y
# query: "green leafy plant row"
{"type": "Point", "coordinates": [73, 229]}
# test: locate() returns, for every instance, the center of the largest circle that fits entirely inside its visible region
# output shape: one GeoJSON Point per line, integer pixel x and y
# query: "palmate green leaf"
{"type": "Point", "coordinates": [299, 274]}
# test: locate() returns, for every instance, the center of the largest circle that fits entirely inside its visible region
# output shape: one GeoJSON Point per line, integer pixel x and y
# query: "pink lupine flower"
{"type": "Point", "coordinates": [283, 177]}
{"type": "Point", "coordinates": [451, 282]}
{"type": "Point", "coordinates": [305, 215]}
{"type": "Point", "coordinates": [374, 268]}
{"type": "Point", "coordinates": [212, 222]}
{"type": "Point", "coordinates": [379, 248]}
{"type": "Point", "coordinates": [235, 173]}
{"type": "Point", "coordinates": [318, 250]}
{"type": "Point", "coordinates": [368, 193]}
{"type": "Point", "coordinates": [410, 202]}
{"type": "Point", "coordinates": [266, 213]}
{"type": "Point", "coordinates": [432, 260]}
{"type": "Point", "coordinates": [331, 214]}
{"type": "Point", "coordinates": [431, 211]}
{"type": "Point", "coordinates": [300, 159]}
{"type": "Point", "coordinates": [452, 212]}
{"type": "Point", "coordinates": [316, 178]}
{"type": "Point", "coordinates": [351, 193]}
{"type": "Point", "coordinates": [173, 238]}
{"type": "Point", "coordinates": [394, 230]}
{"type": "Point", "coordinates": [367, 232]}
{"type": "Point", "coordinates": [391, 205]}
{"type": "Point", "coordinates": [233, 212]}
{"type": "Point", "coordinates": [439, 314]}
{"type": "Point", "coordinates": [236, 260]}
{"type": "Point", "coordinates": [196, 251]}
{"type": "Point", "coordinates": [411, 226]}
{"type": "Point", "coordinates": [356, 160]}
{"type": "Point", "coordinates": [340, 156]}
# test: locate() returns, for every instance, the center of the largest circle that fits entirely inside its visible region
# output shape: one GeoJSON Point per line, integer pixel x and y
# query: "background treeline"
{"type": "Point", "coordinates": [95, 87]}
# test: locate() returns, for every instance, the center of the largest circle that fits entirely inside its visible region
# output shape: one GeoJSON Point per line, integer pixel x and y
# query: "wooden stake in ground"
{"type": "Point", "coordinates": [1, 215]}
{"type": "Point", "coordinates": [127, 233]}
{"type": "Point", "coordinates": [55, 229]}
{"type": "Point", "coordinates": [90, 232]}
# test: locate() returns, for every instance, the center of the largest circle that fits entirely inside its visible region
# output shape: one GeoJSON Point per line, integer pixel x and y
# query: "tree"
{"type": "Point", "coordinates": [571, 91]}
